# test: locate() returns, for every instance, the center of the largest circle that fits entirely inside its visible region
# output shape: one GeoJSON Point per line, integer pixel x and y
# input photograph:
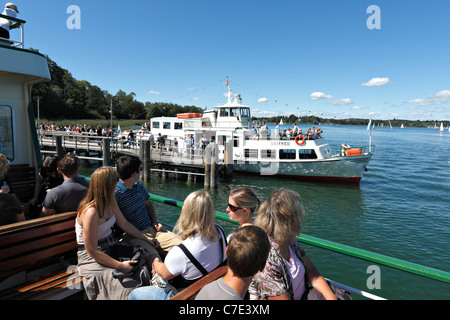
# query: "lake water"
{"type": "Point", "coordinates": [400, 208]}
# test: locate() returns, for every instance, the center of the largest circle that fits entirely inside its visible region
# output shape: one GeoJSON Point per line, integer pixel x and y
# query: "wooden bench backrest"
{"type": "Point", "coordinates": [28, 243]}
{"type": "Point", "coordinates": [23, 179]}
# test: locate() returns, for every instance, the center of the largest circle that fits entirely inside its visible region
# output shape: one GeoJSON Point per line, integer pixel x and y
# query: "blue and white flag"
{"type": "Point", "coordinates": [118, 128]}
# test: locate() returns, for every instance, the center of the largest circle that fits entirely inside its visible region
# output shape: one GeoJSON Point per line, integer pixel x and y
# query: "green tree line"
{"type": "Point", "coordinates": [314, 120]}
{"type": "Point", "coordinates": [64, 97]}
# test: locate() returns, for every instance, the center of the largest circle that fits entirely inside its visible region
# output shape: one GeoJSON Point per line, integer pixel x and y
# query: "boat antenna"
{"type": "Point", "coordinates": [229, 92]}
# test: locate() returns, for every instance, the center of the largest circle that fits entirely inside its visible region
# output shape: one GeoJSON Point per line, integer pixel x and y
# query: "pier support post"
{"type": "Point", "coordinates": [59, 148]}
{"type": "Point", "coordinates": [207, 166]}
{"type": "Point", "coordinates": [106, 152]}
{"type": "Point", "coordinates": [214, 159]}
{"type": "Point", "coordinates": [228, 158]}
{"type": "Point", "coordinates": [145, 155]}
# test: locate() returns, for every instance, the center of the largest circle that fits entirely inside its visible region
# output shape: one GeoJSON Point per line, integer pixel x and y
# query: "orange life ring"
{"type": "Point", "coordinates": [303, 139]}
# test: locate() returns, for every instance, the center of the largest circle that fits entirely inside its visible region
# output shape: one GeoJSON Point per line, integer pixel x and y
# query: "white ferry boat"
{"type": "Point", "coordinates": [263, 153]}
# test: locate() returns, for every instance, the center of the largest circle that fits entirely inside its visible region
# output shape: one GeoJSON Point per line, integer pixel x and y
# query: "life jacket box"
{"type": "Point", "coordinates": [353, 152]}
{"type": "Point", "coordinates": [189, 115]}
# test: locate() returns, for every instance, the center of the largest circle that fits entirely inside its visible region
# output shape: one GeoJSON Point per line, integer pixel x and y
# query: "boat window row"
{"type": "Point", "coordinates": [283, 154]}
{"type": "Point", "coordinates": [167, 125]}
{"type": "Point", "coordinates": [6, 132]}
{"type": "Point", "coordinates": [234, 112]}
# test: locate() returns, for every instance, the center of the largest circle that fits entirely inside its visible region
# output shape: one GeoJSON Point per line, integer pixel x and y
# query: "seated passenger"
{"type": "Point", "coordinates": [134, 202]}
{"type": "Point", "coordinates": [48, 178]}
{"type": "Point", "coordinates": [97, 214]}
{"type": "Point", "coordinates": [246, 255]}
{"type": "Point", "coordinates": [202, 250]}
{"type": "Point", "coordinates": [11, 210]}
{"type": "Point", "coordinates": [67, 196]}
{"type": "Point", "coordinates": [283, 277]}
{"type": "Point", "coordinates": [242, 203]}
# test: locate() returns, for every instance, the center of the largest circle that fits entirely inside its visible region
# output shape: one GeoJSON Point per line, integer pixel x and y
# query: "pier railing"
{"type": "Point", "coordinates": [17, 23]}
{"type": "Point", "coordinates": [392, 262]}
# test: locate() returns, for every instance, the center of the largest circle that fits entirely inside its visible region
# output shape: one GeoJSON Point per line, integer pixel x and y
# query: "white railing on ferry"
{"type": "Point", "coordinates": [17, 23]}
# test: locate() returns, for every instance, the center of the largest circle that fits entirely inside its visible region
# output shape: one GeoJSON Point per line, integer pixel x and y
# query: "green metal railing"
{"type": "Point", "coordinates": [343, 249]}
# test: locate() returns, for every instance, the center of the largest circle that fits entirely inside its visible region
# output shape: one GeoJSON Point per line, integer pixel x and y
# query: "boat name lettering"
{"type": "Point", "coordinates": [280, 143]}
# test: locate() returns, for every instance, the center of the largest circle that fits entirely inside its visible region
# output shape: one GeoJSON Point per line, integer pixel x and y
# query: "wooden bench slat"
{"type": "Point", "coordinates": [67, 226]}
{"type": "Point", "coordinates": [20, 226]}
{"type": "Point", "coordinates": [50, 286]}
{"type": "Point", "coordinates": [30, 246]}
{"type": "Point", "coordinates": [191, 291]}
{"type": "Point", "coordinates": [18, 264]}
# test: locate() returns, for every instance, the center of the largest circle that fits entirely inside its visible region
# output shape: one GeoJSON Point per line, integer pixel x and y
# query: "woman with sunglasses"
{"type": "Point", "coordinates": [242, 203]}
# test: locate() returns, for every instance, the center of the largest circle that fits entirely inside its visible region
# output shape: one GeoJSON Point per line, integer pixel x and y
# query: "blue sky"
{"type": "Point", "coordinates": [283, 57]}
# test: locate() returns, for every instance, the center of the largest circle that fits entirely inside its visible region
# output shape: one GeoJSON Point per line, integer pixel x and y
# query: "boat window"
{"type": "Point", "coordinates": [155, 125]}
{"type": "Point", "coordinates": [307, 154]}
{"type": "Point", "coordinates": [268, 154]}
{"type": "Point", "coordinates": [6, 132]}
{"type": "Point", "coordinates": [245, 112]}
{"type": "Point", "coordinates": [178, 125]}
{"type": "Point", "coordinates": [236, 141]}
{"type": "Point", "coordinates": [166, 125]}
{"type": "Point", "coordinates": [234, 112]}
{"type": "Point", "coordinates": [251, 153]}
{"type": "Point", "coordinates": [224, 112]}
{"type": "Point", "coordinates": [286, 154]}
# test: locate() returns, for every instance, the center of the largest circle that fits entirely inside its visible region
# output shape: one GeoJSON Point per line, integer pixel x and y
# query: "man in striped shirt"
{"type": "Point", "coordinates": [134, 202]}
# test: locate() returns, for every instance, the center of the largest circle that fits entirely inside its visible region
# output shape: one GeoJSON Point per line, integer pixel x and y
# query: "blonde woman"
{"type": "Point", "coordinates": [97, 213]}
{"type": "Point", "coordinates": [202, 249]}
{"type": "Point", "coordinates": [283, 277]}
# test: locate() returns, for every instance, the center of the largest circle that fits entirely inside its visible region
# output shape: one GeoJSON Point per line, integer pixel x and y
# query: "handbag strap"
{"type": "Point", "coordinates": [193, 260]}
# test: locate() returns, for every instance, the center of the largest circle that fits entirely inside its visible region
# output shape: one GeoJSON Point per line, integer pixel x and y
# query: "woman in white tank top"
{"type": "Point", "coordinates": [97, 213]}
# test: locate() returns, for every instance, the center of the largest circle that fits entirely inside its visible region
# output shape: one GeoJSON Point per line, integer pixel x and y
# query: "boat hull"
{"type": "Point", "coordinates": [348, 169]}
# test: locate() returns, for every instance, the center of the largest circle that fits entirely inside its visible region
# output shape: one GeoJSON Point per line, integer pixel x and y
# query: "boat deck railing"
{"type": "Point", "coordinates": [392, 262]}
{"type": "Point", "coordinates": [340, 152]}
{"type": "Point", "coordinates": [17, 23]}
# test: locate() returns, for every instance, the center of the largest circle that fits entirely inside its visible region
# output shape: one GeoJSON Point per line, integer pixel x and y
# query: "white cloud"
{"type": "Point", "coordinates": [376, 82]}
{"type": "Point", "coordinates": [262, 100]}
{"type": "Point", "coordinates": [191, 88]}
{"type": "Point", "coordinates": [195, 99]}
{"type": "Point", "coordinates": [153, 92]}
{"type": "Point", "coordinates": [342, 102]}
{"type": "Point", "coordinates": [320, 95]}
{"type": "Point", "coordinates": [434, 99]}
{"type": "Point", "coordinates": [357, 107]}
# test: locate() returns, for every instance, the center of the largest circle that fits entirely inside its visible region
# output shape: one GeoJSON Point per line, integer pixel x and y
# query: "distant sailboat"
{"type": "Point", "coordinates": [281, 121]}
{"type": "Point", "coordinates": [390, 125]}
{"type": "Point", "coordinates": [441, 129]}
{"type": "Point", "coordinates": [402, 126]}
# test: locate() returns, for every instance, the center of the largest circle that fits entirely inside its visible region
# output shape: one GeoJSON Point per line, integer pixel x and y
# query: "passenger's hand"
{"type": "Point", "coordinates": [128, 265]}
{"type": "Point", "coordinates": [158, 226]}
{"type": "Point", "coordinates": [153, 242]}
{"type": "Point", "coordinates": [5, 189]}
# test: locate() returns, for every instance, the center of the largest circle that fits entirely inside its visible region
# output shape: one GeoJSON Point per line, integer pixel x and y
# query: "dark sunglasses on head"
{"type": "Point", "coordinates": [233, 208]}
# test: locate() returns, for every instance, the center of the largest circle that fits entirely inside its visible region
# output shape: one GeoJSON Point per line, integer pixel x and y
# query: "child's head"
{"type": "Point", "coordinates": [247, 251]}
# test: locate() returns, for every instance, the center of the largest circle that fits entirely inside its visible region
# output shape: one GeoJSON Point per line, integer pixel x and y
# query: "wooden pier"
{"type": "Point", "coordinates": [168, 160]}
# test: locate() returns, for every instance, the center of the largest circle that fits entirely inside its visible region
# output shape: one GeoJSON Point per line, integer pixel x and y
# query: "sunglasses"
{"type": "Point", "coordinates": [233, 208]}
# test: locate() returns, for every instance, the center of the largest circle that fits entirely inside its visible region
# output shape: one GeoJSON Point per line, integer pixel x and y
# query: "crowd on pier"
{"type": "Point", "coordinates": [262, 131]}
